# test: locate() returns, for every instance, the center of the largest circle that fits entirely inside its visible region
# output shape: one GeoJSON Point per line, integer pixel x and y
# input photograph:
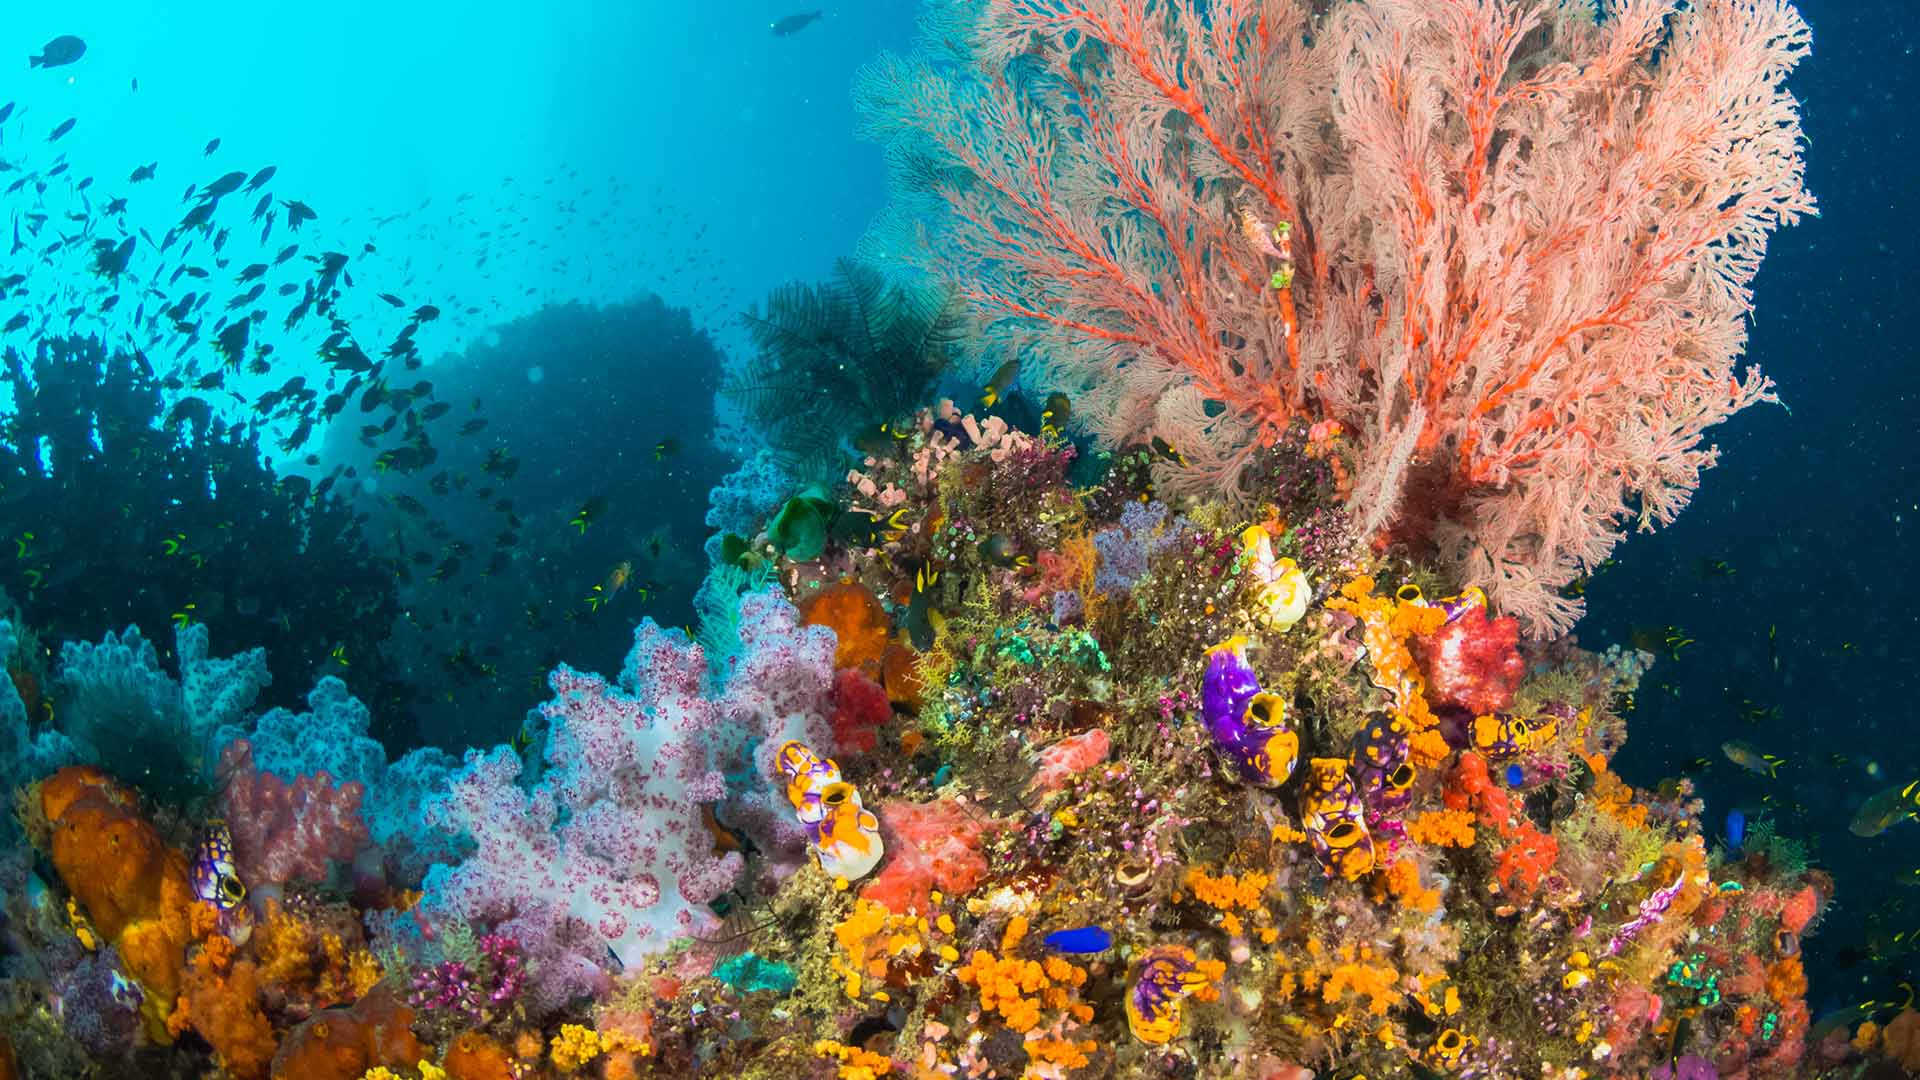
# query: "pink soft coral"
{"type": "Point", "coordinates": [288, 831]}
{"type": "Point", "coordinates": [1473, 662]}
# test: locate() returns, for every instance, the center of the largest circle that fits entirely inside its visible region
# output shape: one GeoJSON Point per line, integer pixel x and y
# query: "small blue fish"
{"type": "Point", "coordinates": [1080, 939]}
{"type": "Point", "coordinates": [1516, 776]}
{"type": "Point", "coordinates": [1736, 828]}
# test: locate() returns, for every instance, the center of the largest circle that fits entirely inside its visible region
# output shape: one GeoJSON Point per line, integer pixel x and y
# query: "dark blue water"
{"type": "Point", "coordinates": [1815, 512]}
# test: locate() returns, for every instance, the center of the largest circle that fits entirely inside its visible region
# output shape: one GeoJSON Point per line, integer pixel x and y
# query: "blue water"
{"type": "Point", "coordinates": [1817, 512]}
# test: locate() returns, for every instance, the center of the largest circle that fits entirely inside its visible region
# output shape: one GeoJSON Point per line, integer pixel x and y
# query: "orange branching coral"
{"type": "Point", "coordinates": [1019, 989]}
{"type": "Point", "coordinates": [221, 1001]}
{"type": "Point", "coordinates": [1401, 881]}
{"type": "Point", "coordinates": [857, 620]}
{"type": "Point", "coordinates": [1612, 797]}
{"type": "Point", "coordinates": [1228, 892]}
{"type": "Point", "coordinates": [1442, 828]}
{"type": "Point", "coordinates": [878, 945]}
{"type": "Point", "coordinates": [134, 887]}
{"type": "Point", "coordinates": [855, 1063]}
{"type": "Point", "coordinates": [1387, 624]}
{"type": "Point", "coordinates": [1356, 971]}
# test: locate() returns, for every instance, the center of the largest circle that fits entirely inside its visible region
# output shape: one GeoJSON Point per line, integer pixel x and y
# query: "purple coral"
{"type": "Point", "coordinates": [99, 1006]}
{"type": "Point", "coordinates": [1125, 547]}
{"type": "Point", "coordinates": [472, 995]}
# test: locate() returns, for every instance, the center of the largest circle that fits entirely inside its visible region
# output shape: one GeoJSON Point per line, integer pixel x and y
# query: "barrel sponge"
{"type": "Point", "coordinates": [134, 887]}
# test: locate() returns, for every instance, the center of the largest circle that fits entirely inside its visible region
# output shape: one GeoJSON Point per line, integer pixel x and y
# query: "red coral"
{"type": "Point", "coordinates": [930, 846]}
{"type": "Point", "coordinates": [288, 832]}
{"type": "Point", "coordinates": [1473, 662]}
{"type": "Point", "coordinates": [1530, 853]}
{"type": "Point", "coordinates": [860, 706]}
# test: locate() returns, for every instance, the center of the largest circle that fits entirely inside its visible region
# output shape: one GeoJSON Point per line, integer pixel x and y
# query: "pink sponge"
{"type": "Point", "coordinates": [930, 846]}
{"type": "Point", "coordinates": [288, 831]}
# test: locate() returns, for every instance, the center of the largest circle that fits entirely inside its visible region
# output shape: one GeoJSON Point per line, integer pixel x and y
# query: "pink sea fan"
{"type": "Point", "coordinates": [1507, 244]}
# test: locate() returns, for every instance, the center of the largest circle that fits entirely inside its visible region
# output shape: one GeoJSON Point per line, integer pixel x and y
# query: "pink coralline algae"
{"type": "Point", "coordinates": [607, 855]}
{"type": "Point", "coordinates": [288, 831]}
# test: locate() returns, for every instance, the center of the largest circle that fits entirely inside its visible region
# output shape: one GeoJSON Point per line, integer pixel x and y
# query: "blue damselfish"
{"type": "Point", "coordinates": [1080, 939]}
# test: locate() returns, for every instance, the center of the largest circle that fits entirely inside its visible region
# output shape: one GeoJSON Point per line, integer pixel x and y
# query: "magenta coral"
{"type": "Point", "coordinates": [288, 831]}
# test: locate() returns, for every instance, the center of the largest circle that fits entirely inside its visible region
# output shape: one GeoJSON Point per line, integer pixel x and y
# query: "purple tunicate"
{"type": "Point", "coordinates": [1690, 1067]}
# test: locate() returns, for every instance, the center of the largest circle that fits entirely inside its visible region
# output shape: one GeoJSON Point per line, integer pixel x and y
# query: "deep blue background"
{"type": "Point", "coordinates": [1817, 513]}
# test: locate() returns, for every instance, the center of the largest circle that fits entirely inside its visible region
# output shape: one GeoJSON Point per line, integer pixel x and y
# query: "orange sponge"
{"type": "Point", "coordinates": [135, 888]}
{"type": "Point", "coordinates": [342, 1044]}
{"type": "Point", "coordinates": [474, 1056]}
{"type": "Point", "coordinates": [857, 620]}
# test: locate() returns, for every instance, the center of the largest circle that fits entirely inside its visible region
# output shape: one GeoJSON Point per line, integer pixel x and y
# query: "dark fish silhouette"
{"type": "Point", "coordinates": [793, 24]}
{"type": "Point", "coordinates": [144, 172]}
{"type": "Point", "coordinates": [65, 126]}
{"type": "Point", "coordinates": [225, 185]}
{"type": "Point", "coordinates": [211, 147]}
{"type": "Point", "coordinates": [261, 177]}
{"type": "Point", "coordinates": [59, 52]}
{"type": "Point", "coordinates": [7, 112]}
{"type": "Point", "coordinates": [297, 212]}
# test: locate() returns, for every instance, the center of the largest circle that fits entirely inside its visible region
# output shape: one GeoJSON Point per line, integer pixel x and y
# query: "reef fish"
{"type": "Point", "coordinates": [59, 52]}
{"type": "Point", "coordinates": [215, 879]}
{"type": "Point", "coordinates": [845, 836]}
{"type": "Point", "coordinates": [1249, 728]}
{"type": "Point", "coordinates": [1162, 981]}
{"type": "Point", "coordinates": [1080, 939]}
{"type": "Point", "coordinates": [793, 24]}
{"type": "Point", "coordinates": [1885, 809]}
{"type": "Point", "coordinates": [1749, 757]}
